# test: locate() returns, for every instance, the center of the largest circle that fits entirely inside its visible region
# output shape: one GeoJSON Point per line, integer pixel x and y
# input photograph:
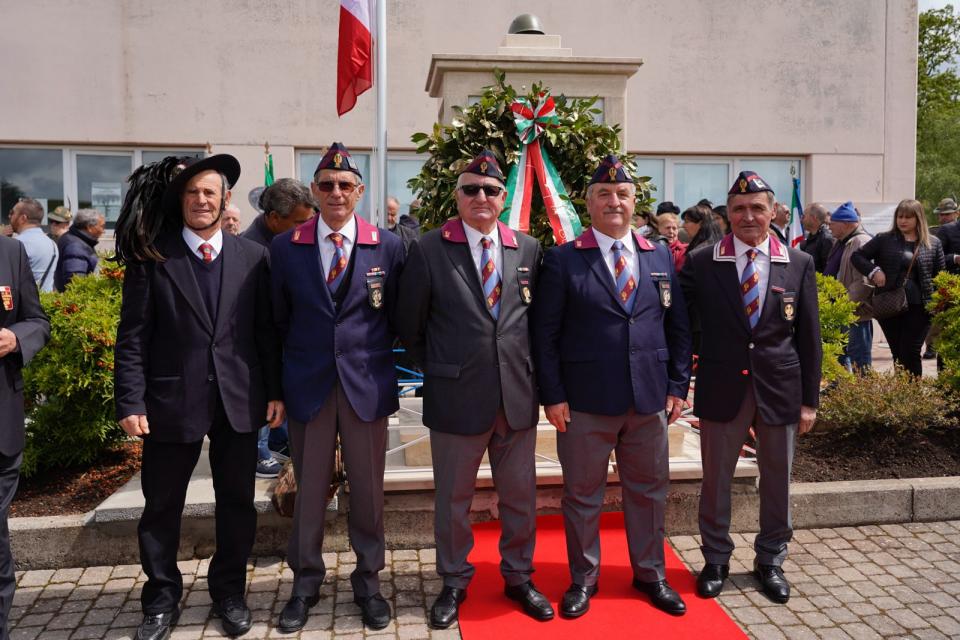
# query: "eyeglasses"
{"type": "Point", "coordinates": [489, 190]}
{"type": "Point", "coordinates": [327, 186]}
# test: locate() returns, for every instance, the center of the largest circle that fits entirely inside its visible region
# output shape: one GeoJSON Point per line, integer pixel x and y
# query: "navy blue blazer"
{"type": "Point", "coordinates": [591, 353]}
{"type": "Point", "coordinates": [322, 344]}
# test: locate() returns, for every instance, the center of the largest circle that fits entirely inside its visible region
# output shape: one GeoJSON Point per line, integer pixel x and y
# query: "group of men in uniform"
{"type": "Point", "coordinates": [219, 336]}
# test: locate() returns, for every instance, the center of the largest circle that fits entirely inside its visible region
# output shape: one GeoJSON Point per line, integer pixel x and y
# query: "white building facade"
{"type": "Point", "coordinates": [92, 89]}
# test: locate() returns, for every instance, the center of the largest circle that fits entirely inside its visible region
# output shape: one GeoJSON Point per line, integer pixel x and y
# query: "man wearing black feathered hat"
{"type": "Point", "coordinates": [196, 356]}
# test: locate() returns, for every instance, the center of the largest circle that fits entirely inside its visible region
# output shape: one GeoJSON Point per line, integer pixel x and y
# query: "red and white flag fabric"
{"type": "Point", "coordinates": [354, 53]}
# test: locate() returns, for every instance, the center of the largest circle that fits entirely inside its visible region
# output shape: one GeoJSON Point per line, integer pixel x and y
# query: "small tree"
{"type": "Point", "coordinates": [68, 386]}
{"type": "Point", "coordinates": [576, 147]}
{"type": "Point", "coordinates": [837, 313]}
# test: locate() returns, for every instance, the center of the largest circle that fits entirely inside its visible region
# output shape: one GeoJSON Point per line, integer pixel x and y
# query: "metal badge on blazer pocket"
{"type": "Point", "coordinates": [526, 289]}
{"type": "Point", "coordinates": [374, 279]}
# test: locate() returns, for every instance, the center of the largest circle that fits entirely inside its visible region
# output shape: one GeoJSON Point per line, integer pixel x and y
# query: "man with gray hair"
{"type": "Point", "coordinates": [819, 240]}
{"type": "Point", "coordinates": [25, 219]}
{"type": "Point", "coordinates": [285, 204]}
{"type": "Point", "coordinates": [409, 235]}
{"type": "Point", "coordinates": [78, 247]}
{"type": "Point", "coordinates": [231, 220]}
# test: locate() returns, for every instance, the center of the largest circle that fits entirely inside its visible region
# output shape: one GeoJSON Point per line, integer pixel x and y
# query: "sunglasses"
{"type": "Point", "coordinates": [326, 186]}
{"type": "Point", "coordinates": [489, 190]}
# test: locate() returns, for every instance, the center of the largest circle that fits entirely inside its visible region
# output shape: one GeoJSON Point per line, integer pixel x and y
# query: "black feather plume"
{"type": "Point", "coordinates": [142, 217]}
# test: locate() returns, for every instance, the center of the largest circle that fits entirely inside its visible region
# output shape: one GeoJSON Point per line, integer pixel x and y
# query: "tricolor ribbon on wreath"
{"type": "Point", "coordinates": [531, 122]}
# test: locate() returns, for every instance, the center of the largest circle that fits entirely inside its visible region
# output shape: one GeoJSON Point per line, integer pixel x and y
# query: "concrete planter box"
{"type": "Point", "coordinates": [107, 536]}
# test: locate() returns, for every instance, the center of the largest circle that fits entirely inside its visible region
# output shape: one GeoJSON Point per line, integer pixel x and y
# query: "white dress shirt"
{"type": "Point", "coordinates": [629, 252]}
{"type": "Point", "coordinates": [325, 244]}
{"type": "Point", "coordinates": [474, 241]}
{"type": "Point", "coordinates": [194, 241]}
{"type": "Point", "coordinates": [761, 263]}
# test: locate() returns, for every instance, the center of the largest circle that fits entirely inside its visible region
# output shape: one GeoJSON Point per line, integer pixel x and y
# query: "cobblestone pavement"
{"type": "Point", "coordinates": [891, 581]}
{"type": "Point", "coordinates": [887, 581]}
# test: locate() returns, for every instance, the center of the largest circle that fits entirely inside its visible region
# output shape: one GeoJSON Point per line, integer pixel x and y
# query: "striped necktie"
{"type": "Point", "coordinates": [206, 251]}
{"type": "Point", "coordinates": [750, 290]}
{"type": "Point", "coordinates": [490, 278]}
{"type": "Point", "coordinates": [626, 285]}
{"type": "Point", "coordinates": [338, 266]}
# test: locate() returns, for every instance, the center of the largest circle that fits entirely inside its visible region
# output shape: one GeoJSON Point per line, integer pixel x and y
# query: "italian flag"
{"type": "Point", "coordinates": [795, 228]}
{"type": "Point", "coordinates": [354, 59]}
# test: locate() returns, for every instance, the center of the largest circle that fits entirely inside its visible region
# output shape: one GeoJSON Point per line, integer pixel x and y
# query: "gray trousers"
{"type": "Point", "coordinates": [312, 446]}
{"type": "Point", "coordinates": [640, 442]}
{"type": "Point", "coordinates": [456, 459]}
{"type": "Point", "coordinates": [720, 444]}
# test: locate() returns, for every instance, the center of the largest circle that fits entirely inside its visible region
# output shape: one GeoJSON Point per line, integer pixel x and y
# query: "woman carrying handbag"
{"type": "Point", "coordinates": [902, 263]}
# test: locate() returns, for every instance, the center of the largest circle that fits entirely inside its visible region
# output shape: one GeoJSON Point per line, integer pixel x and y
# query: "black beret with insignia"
{"type": "Point", "coordinates": [610, 171]}
{"type": "Point", "coordinates": [485, 164]}
{"type": "Point", "coordinates": [337, 158]}
{"type": "Point", "coordinates": [749, 182]}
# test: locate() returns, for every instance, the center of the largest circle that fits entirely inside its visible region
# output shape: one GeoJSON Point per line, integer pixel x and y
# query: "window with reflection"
{"type": "Point", "coordinates": [399, 171]}
{"type": "Point", "coordinates": [102, 183]}
{"type": "Point", "coordinates": [30, 173]}
{"type": "Point", "coordinates": [155, 155]}
{"type": "Point", "coordinates": [694, 181]}
{"type": "Point", "coordinates": [776, 173]}
{"type": "Point", "coordinates": [653, 168]}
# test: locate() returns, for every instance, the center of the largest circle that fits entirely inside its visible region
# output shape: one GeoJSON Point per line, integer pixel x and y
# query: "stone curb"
{"type": "Point", "coordinates": [89, 540]}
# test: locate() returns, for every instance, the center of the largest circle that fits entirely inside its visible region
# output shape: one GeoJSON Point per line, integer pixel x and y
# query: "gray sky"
{"type": "Point", "coordinates": [935, 4]}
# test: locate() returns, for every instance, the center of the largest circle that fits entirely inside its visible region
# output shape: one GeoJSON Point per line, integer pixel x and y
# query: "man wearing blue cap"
{"type": "Point", "coordinates": [612, 351]}
{"type": "Point", "coordinates": [850, 235]}
{"type": "Point", "coordinates": [334, 290]}
{"type": "Point", "coordinates": [465, 295]}
{"type": "Point", "coordinates": [759, 367]}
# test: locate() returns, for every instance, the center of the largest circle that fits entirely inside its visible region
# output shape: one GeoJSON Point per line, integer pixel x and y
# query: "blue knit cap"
{"type": "Point", "coordinates": [845, 213]}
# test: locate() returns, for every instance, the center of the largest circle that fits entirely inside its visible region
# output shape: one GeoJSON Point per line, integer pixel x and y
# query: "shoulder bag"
{"type": "Point", "coordinates": [893, 302]}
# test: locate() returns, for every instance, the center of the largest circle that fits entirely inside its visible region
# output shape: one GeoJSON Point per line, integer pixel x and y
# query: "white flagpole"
{"type": "Point", "coordinates": [380, 144]}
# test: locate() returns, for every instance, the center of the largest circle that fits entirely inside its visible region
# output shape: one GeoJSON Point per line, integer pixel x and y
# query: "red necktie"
{"type": "Point", "coordinates": [206, 250]}
{"type": "Point", "coordinates": [491, 279]}
{"type": "Point", "coordinates": [339, 263]}
{"type": "Point", "coordinates": [749, 289]}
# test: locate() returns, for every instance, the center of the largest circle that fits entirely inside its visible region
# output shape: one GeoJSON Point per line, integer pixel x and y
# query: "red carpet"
{"type": "Point", "coordinates": [617, 611]}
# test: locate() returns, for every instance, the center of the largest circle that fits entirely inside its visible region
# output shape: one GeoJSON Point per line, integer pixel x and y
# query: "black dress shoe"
{"type": "Point", "coordinates": [662, 596]}
{"type": "Point", "coordinates": [535, 604]}
{"type": "Point", "coordinates": [576, 600]}
{"type": "Point", "coordinates": [443, 613]}
{"type": "Point", "coordinates": [774, 584]}
{"type": "Point", "coordinates": [156, 626]}
{"type": "Point", "coordinates": [234, 614]}
{"type": "Point", "coordinates": [710, 580]}
{"type": "Point", "coordinates": [375, 610]}
{"type": "Point", "coordinates": [294, 614]}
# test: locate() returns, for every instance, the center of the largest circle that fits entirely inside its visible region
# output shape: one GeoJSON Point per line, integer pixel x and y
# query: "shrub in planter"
{"type": "Point", "coordinates": [575, 146]}
{"type": "Point", "coordinates": [945, 307]}
{"type": "Point", "coordinates": [69, 384]}
{"type": "Point", "coordinates": [891, 402]}
{"type": "Point", "coordinates": [837, 313]}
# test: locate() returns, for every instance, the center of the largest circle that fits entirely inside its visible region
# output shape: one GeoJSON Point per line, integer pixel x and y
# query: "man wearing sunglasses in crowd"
{"type": "Point", "coordinates": [465, 294]}
{"type": "Point", "coordinates": [334, 287]}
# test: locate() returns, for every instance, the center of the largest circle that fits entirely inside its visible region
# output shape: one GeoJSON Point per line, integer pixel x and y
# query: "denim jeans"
{"type": "Point", "coordinates": [859, 352]}
{"type": "Point", "coordinates": [267, 436]}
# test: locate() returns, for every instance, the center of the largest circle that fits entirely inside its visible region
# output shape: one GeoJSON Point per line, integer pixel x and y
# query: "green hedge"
{"type": "Point", "coordinates": [945, 306]}
{"type": "Point", "coordinates": [837, 313]}
{"type": "Point", "coordinates": [891, 402]}
{"type": "Point", "coordinates": [69, 385]}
